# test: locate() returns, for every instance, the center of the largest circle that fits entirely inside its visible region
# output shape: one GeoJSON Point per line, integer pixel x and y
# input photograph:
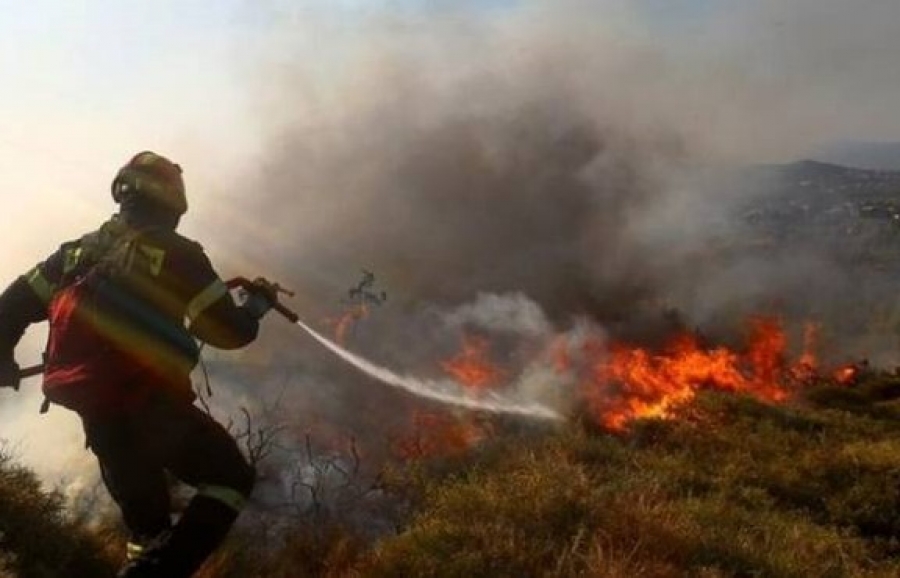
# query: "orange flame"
{"type": "Point", "coordinates": [472, 367]}
{"type": "Point", "coordinates": [631, 383]}
{"type": "Point", "coordinates": [807, 366]}
{"type": "Point", "coordinates": [438, 434]}
{"type": "Point", "coordinates": [811, 334]}
{"type": "Point", "coordinates": [435, 434]}
{"type": "Point", "coordinates": [346, 321]}
{"type": "Point", "coordinates": [620, 383]}
{"type": "Point", "coordinates": [560, 356]}
{"type": "Point", "coordinates": [846, 375]}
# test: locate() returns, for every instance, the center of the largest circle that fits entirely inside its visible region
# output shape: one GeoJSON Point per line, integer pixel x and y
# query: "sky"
{"type": "Point", "coordinates": [145, 74]}
{"type": "Point", "coordinates": [88, 83]}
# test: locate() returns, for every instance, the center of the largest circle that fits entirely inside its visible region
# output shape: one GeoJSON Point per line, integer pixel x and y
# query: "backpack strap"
{"type": "Point", "coordinates": [92, 249]}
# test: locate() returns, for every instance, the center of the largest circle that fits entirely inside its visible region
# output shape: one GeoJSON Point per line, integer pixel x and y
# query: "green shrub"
{"type": "Point", "coordinates": [36, 538]}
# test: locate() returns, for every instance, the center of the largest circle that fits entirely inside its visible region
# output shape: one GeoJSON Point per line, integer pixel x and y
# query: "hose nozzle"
{"type": "Point", "coordinates": [272, 289]}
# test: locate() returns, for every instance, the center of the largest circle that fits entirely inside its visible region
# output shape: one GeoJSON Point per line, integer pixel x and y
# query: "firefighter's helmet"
{"type": "Point", "coordinates": [154, 178]}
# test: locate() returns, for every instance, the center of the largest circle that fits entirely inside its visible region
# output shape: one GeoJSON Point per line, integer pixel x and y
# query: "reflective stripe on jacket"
{"type": "Point", "coordinates": [169, 275]}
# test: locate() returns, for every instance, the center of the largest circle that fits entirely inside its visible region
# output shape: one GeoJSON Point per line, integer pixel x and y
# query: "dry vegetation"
{"type": "Point", "coordinates": [37, 537]}
{"type": "Point", "coordinates": [731, 487]}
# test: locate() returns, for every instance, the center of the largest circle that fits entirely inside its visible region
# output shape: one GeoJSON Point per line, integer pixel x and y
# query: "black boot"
{"type": "Point", "coordinates": [179, 553]}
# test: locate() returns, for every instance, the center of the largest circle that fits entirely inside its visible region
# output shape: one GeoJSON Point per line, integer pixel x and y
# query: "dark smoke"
{"type": "Point", "coordinates": [539, 202]}
{"type": "Point", "coordinates": [494, 184]}
{"type": "Point", "coordinates": [454, 164]}
{"type": "Point", "coordinates": [560, 152]}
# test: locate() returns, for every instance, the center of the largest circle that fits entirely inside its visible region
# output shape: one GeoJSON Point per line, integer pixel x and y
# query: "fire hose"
{"type": "Point", "coordinates": [444, 391]}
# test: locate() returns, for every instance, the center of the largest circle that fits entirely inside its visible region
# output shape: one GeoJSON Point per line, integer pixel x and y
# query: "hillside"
{"type": "Point", "coordinates": [729, 487]}
{"type": "Point", "coordinates": [725, 486]}
{"type": "Point", "coordinates": [810, 198]}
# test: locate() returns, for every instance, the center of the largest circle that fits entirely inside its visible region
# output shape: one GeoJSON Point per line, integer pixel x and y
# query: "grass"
{"type": "Point", "coordinates": [728, 488]}
{"type": "Point", "coordinates": [731, 487]}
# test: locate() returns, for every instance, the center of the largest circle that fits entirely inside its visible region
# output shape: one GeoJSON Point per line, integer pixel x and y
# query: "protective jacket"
{"type": "Point", "coordinates": [125, 305]}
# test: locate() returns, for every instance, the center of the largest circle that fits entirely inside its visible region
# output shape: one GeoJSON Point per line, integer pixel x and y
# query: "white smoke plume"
{"type": "Point", "coordinates": [503, 314]}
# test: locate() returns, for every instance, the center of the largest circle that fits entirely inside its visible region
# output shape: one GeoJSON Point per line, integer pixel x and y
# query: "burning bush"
{"type": "Point", "coordinates": [728, 486]}
{"type": "Point", "coordinates": [725, 486]}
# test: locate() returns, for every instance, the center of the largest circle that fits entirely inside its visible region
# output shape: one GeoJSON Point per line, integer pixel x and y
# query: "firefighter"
{"type": "Point", "coordinates": [125, 304]}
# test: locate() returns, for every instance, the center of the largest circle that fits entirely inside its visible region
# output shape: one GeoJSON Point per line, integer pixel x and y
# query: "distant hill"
{"type": "Point", "coordinates": [858, 210]}
{"type": "Point", "coordinates": [824, 179]}
{"type": "Point", "coordinates": [810, 180]}
{"type": "Point", "coordinates": [863, 155]}
{"type": "Point", "coordinates": [846, 217]}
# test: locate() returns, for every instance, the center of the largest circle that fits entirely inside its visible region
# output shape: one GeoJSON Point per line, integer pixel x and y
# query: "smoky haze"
{"type": "Point", "coordinates": [561, 150]}
{"type": "Point", "coordinates": [465, 156]}
{"type": "Point", "coordinates": [537, 170]}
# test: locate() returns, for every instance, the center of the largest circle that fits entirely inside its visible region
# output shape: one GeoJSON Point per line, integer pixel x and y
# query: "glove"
{"type": "Point", "coordinates": [261, 297]}
{"type": "Point", "coordinates": [9, 374]}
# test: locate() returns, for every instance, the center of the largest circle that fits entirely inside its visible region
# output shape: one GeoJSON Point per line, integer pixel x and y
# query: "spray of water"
{"type": "Point", "coordinates": [444, 391]}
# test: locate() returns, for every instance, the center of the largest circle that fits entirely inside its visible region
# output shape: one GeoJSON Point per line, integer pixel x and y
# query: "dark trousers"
{"type": "Point", "coordinates": [137, 447]}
